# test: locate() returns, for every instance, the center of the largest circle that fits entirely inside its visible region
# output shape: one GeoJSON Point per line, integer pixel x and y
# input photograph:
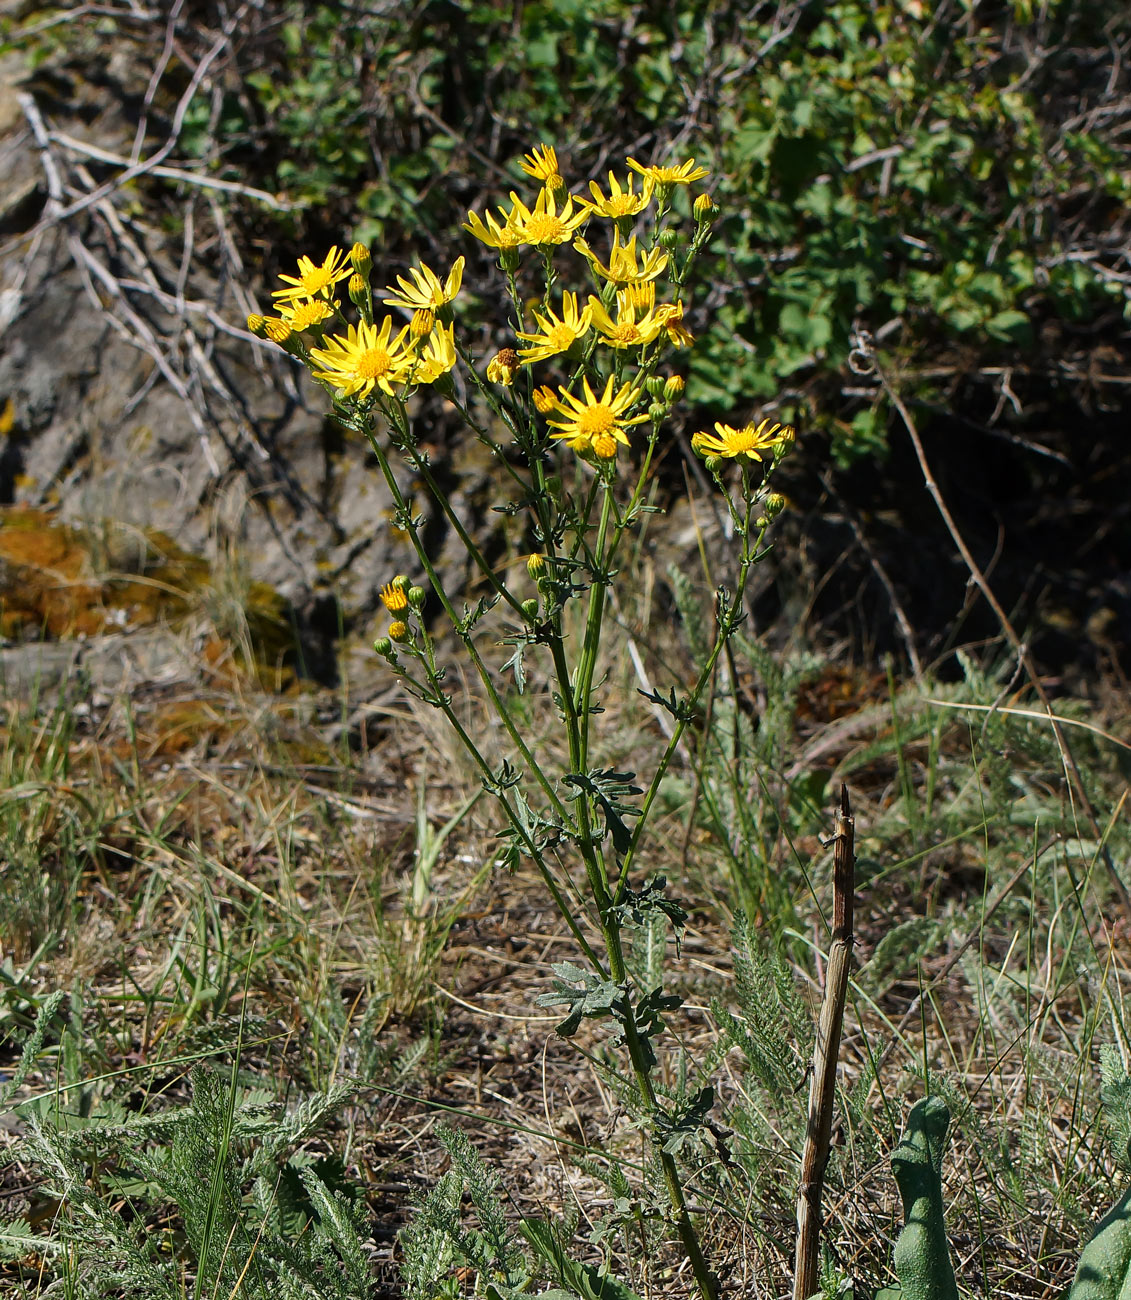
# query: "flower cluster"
{"type": "Point", "coordinates": [368, 356]}
{"type": "Point", "coordinates": [605, 344]}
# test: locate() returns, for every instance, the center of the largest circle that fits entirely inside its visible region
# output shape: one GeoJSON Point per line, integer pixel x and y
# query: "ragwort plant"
{"type": "Point", "coordinates": [580, 453]}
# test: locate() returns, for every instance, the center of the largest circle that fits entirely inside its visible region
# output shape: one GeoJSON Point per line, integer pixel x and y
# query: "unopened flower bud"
{"type": "Point", "coordinates": [545, 400]}
{"type": "Point", "coordinates": [401, 581]}
{"type": "Point", "coordinates": [774, 504]}
{"type": "Point", "coordinates": [668, 238]}
{"type": "Point", "coordinates": [358, 290]}
{"type": "Point", "coordinates": [786, 439]}
{"type": "Point", "coordinates": [423, 320]}
{"type": "Point", "coordinates": [503, 367]}
{"type": "Point", "coordinates": [383, 646]}
{"type": "Point", "coordinates": [656, 412]}
{"type": "Point", "coordinates": [535, 565]}
{"type": "Point", "coordinates": [257, 325]}
{"type": "Point", "coordinates": [655, 385]}
{"type": "Point", "coordinates": [713, 464]}
{"type": "Point", "coordinates": [417, 597]}
{"type": "Point", "coordinates": [398, 632]}
{"type": "Point", "coordinates": [704, 208]}
{"type": "Point", "coordinates": [673, 387]}
{"type": "Point", "coordinates": [697, 440]}
{"type": "Point", "coordinates": [362, 261]}
{"type": "Point", "coordinates": [530, 608]}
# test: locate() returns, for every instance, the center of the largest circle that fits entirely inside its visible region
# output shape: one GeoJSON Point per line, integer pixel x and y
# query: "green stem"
{"type": "Point", "coordinates": [464, 635]}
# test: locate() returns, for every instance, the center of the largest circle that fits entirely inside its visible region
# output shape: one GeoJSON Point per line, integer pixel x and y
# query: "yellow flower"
{"type": "Point", "coordinates": [749, 441]}
{"type": "Point", "coordinates": [596, 424]}
{"type": "Point", "coordinates": [257, 325]}
{"type": "Point", "coordinates": [545, 400]}
{"type": "Point", "coordinates": [503, 367]}
{"type": "Point", "coordinates": [556, 334]}
{"type": "Point", "coordinates": [306, 314]}
{"type": "Point", "coordinates": [437, 356]}
{"type": "Point", "coordinates": [545, 225]}
{"type": "Point", "coordinates": [364, 359]}
{"type": "Point", "coordinates": [394, 597]}
{"type": "Point", "coordinates": [620, 203]}
{"type": "Point", "coordinates": [670, 317]}
{"type": "Point", "coordinates": [626, 331]}
{"type": "Point", "coordinates": [542, 164]}
{"type": "Point", "coordinates": [641, 297]}
{"type": "Point", "coordinates": [315, 281]}
{"type": "Point", "coordinates": [421, 325]}
{"type": "Point", "coordinates": [494, 235]}
{"type": "Point", "coordinates": [684, 174]}
{"type": "Point", "coordinates": [425, 289]}
{"type": "Point", "coordinates": [278, 331]}
{"type": "Point", "coordinates": [622, 267]}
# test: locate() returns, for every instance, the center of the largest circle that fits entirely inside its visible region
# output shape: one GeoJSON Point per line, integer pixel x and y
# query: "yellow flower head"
{"type": "Point", "coordinates": [503, 367]}
{"type": "Point", "coordinates": [423, 319]}
{"type": "Point", "coordinates": [542, 164]}
{"type": "Point", "coordinates": [670, 317]}
{"type": "Point", "coordinates": [425, 289]}
{"type": "Point", "coordinates": [394, 597]}
{"type": "Point", "coordinates": [313, 280]}
{"type": "Point", "coordinates": [365, 359]}
{"type": "Point", "coordinates": [556, 334]}
{"type": "Point", "coordinates": [278, 331]}
{"type": "Point", "coordinates": [545, 400]}
{"type": "Point", "coordinates": [749, 441]}
{"type": "Point", "coordinates": [305, 314]}
{"type": "Point", "coordinates": [684, 174]}
{"type": "Point", "coordinates": [437, 356]}
{"type": "Point", "coordinates": [631, 329]}
{"type": "Point", "coordinates": [621, 202]}
{"type": "Point", "coordinates": [596, 425]}
{"type": "Point", "coordinates": [545, 225]}
{"type": "Point", "coordinates": [257, 325]}
{"type": "Point", "coordinates": [505, 236]}
{"type": "Point", "coordinates": [622, 267]}
{"type": "Point", "coordinates": [640, 297]}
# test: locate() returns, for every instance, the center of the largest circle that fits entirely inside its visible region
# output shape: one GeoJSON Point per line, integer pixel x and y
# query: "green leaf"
{"type": "Point", "coordinates": [582, 1279]}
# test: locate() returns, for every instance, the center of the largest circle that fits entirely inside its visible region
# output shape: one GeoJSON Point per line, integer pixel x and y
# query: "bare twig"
{"type": "Point", "coordinates": [826, 1052]}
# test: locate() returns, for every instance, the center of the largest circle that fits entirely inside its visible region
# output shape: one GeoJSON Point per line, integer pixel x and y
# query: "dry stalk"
{"type": "Point", "coordinates": [822, 1084]}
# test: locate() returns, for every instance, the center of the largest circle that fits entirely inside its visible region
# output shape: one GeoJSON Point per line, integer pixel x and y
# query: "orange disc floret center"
{"type": "Point", "coordinates": [621, 205]}
{"type": "Point", "coordinates": [373, 363]}
{"type": "Point", "coordinates": [626, 333]}
{"type": "Point", "coordinates": [745, 438]}
{"type": "Point", "coordinates": [595, 421]}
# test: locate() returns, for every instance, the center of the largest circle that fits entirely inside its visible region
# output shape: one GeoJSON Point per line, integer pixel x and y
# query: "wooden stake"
{"type": "Point", "coordinates": [822, 1085]}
